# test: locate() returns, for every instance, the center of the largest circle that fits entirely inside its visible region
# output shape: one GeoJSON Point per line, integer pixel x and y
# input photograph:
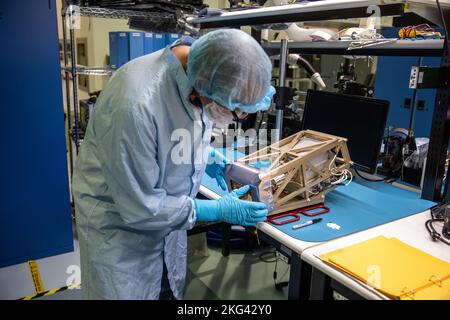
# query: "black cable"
{"type": "Point", "coordinates": [266, 260]}
{"type": "Point", "coordinates": [399, 167]}
{"type": "Point", "coordinates": [436, 216]}
{"type": "Point", "coordinates": [275, 273]}
{"type": "Point", "coordinates": [278, 285]}
{"type": "Point", "coordinates": [302, 62]}
{"type": "Point", "coordinates": [371, 180]}
{"type": "Point", "coordinates": [436, 236]}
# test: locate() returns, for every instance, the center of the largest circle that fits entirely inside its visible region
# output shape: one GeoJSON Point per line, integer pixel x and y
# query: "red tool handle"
{"type": "Point", "coordinates": [324, 210]}
{"type": "Point", "coordinates": [294, 216]}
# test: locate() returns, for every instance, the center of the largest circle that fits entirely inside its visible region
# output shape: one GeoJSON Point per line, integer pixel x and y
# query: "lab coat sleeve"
{"type": "Point", "coordinates": [129, 151]}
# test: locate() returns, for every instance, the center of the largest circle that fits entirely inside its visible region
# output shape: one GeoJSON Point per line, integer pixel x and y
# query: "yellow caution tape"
{"type": "Point", "coordinates": [74, 286]}
{"type": "Point", "coordinates": [37, 280]}
{"type": "Point", "coordinates": [50, 292]}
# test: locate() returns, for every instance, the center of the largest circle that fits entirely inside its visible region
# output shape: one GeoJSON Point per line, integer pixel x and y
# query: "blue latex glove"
{"type": "Point", "coordinates": [216, 167]}
{"type": "Point", "coordinates": [231, 209]}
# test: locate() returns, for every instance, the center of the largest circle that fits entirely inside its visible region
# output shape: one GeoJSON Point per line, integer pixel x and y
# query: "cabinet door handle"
{"type": "Point", "coordinates": [407, 103]}
{"type": "Point", "coordinates": [421, 105]}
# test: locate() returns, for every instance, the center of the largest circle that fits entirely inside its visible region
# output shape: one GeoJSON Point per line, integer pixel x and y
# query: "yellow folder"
{"type": "Point", "coordinates": [394, 268]}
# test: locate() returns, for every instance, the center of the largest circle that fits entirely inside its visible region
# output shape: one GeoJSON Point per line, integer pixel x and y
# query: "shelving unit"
{"type": "Point", "coordinates": [341, 9]}
{"type": "Point", "coordinates": [120, 14]}
{"type": "Point", "coordinates": [429, 48]}
{"type": "Point", "coordinates": [90, 71]}
{"type": "Point", "coordinates": [307, 11]}
{"type": "Point", "coordinates": [71, 67]}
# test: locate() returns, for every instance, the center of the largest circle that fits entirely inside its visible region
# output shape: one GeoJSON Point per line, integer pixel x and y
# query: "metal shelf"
{"type": "Point", "coordinates": [90, 71]}
{"type": "Point", "coordinates": [416, 48]}
{"type": "Point", "coordinates": [308, 11]}
{"type": "Point", "coordinates": [119, 14]}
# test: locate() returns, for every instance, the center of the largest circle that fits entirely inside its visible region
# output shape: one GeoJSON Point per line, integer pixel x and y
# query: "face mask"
{"type": "Point", "coordinates": [217, 114]}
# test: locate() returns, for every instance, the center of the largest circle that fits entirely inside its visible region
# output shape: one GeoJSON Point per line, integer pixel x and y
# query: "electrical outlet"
{"type": "Point", "coordinates": [413, 77]}
{"type": "Point", "coordinates": [282, 257]}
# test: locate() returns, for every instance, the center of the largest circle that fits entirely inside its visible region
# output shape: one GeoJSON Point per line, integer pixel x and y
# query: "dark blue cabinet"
{"type": "Point", "coordinates": [391, 83]}
{"type": "Point", "coordinates": [35, 220]}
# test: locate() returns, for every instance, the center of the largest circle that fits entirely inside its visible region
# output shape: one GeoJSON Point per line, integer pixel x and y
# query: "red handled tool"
{"type": "Point", "coordinates": [308, 211]}
{"type": "Point", "coordinates": [311, 211]}
{"type": "Point", "coordinates": [293, 214]}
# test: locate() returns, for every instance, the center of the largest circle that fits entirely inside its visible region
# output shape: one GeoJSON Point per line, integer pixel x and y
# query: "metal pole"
{"type": "Point", "coordinates": [414, 107]}
{"type": "Point", "coordinates": [281, 84]}
{"type": "Point", "coordinates": [75, 81]}
{"type": "Point", "coordinates": [439, 136]}
{"type": "Point", "coordinates": [439, 139]}
{"type": "Point", "coordinates": [66, 72]}
{"type": "Point", "coordinates": [447, 186]}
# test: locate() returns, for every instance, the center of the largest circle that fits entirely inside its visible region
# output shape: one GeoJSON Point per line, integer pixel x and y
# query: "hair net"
{"type": "Point", "coordinates": [230, 67]}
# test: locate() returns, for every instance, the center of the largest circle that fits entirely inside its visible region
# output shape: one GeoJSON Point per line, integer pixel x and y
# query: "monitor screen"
{"type": "Point", "coordinates": [361, 120]}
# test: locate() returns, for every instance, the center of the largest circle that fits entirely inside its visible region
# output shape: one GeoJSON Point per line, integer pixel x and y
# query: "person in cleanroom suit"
{"type": "Point", "coordinates": [134, 198]}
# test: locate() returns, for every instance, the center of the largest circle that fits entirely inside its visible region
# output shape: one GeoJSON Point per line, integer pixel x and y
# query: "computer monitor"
{"type": "Point", "coordinates": [361, 120]}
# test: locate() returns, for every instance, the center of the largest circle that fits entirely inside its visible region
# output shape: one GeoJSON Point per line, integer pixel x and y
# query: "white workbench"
{"type": "Point", "coordinates": [305, 255]}
{"type": "Point", "coordinates": [293, 244]}
{"type": "Point", "coordinates": [410, 230]}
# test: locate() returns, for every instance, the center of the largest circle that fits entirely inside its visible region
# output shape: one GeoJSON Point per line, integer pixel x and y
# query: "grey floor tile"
{"type": "Point", "coordinates": [242, 275]}
{"type": "Point", "coordinates": [74, 294]}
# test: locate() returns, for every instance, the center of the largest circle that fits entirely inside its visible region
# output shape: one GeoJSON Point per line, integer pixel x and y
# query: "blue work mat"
{"type": "Point", "coordinates": [359, 206]}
